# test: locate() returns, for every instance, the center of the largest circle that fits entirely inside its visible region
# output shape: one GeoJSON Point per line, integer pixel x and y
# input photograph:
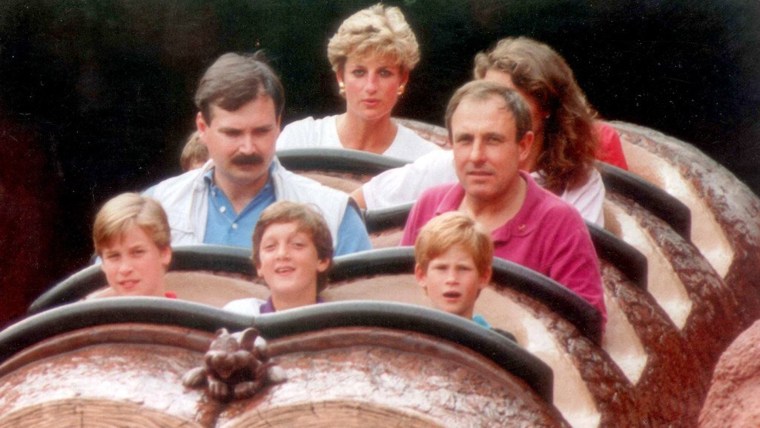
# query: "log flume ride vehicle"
{"type": "Point", "coordinates": [679, 256]}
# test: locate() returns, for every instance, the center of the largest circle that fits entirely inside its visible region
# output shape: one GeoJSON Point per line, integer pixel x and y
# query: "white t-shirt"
{"type": "Point", "coordinates": [403, 185]}
{"type": "Point", "coordinates": [248, 306]}
{"type": "Point", "coordinates": [323, 133]}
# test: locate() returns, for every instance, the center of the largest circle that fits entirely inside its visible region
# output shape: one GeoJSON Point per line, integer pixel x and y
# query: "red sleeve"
{"type": "Point", "coordinates": [575, 263]}
{"type": "Point", "coordinates": [610, 147]}
{"type": "Point", "coordinates": [412, 227]}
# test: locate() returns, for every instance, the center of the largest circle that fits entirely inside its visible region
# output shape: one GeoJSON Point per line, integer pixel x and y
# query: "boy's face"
{"type": "Point", "coordinates": [288, 261]}
{"type": "Point", "coordinates": [134, 265]}
{"type": "Point", "coordinates": [452, 281]}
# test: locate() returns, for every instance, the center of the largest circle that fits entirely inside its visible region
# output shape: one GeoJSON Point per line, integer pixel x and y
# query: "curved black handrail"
{"type": "Point", "coordinates": [630, 261]}
{"type": "Point", "coordinates": [398, 316]}
{"type": "Point", "coordinates": [556, 297]}
{"type": "Point", "coordinates": [657, 201]}
{"type": "Point", "coordinates": [390, 261]}
{"type": "Point", "coordinates": [89, 313]}
{"type": "Point", "coordinates": [184, 257]}
{"type": "Point", "coordinates": [340, 160]}
{"type": "Point", "coordinates": [377, 220]}
{"type": "Point", "coordinates": [491, 345]}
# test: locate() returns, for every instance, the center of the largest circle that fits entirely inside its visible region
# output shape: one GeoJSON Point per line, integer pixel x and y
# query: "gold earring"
{"type": "Point", "coordinates": [341, 88]}
{"type": "Point", "coordinates": [400, 90]}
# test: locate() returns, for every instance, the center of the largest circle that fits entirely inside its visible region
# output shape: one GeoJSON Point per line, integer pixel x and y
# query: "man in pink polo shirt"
{"type": "Point", "coordinates": [489, 127]}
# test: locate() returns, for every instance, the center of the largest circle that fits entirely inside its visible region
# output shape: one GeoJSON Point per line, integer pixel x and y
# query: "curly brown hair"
{"type": "Point", "coordinates": [570, 138]}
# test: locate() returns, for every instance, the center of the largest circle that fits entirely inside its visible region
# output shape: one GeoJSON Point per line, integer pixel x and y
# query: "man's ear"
{"type": "Point", "coordinates": [202, 127]}
{"type": "Point", "coordinates": [525, 144]}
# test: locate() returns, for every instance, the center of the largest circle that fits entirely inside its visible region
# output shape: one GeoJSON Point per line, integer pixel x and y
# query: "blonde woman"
{"type": "Point", "coordinates": [372, 54]}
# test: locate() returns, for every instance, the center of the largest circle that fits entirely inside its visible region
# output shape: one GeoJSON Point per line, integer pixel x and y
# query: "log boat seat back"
{"type": "Point", "coordinates": [386, 226]}
{"type": "Point", "coordinates": [139, 341]}
{"type": "Point", "coordinates": [520, 301]}
{"type": "Point", "coordinates": [434, 133]}
{"type": "Point", "coordinates": [698, 182]}
{"type": "Point", "coordinates": [207, 274]}
{"type": "Point", "coordinates": [649, 196]}
{"type": "Point", "coordinates": [341, 169]}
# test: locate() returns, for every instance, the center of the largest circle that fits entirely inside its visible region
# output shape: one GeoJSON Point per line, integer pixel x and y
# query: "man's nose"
{"type": "Point", "coordinates": [477, 152]}
{"type": "Point", "coordinates": [247, 145]}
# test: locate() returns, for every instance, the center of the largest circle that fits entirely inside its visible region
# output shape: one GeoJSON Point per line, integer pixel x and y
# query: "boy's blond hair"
{"type": "Point", "coordinates": [126, 210]}
{"type": "Point", "coordinates": [194, 152]}
{"type": "Point", "coordinates": [450, 229]}
{"type": "Point", "coordinates": [309, 221]}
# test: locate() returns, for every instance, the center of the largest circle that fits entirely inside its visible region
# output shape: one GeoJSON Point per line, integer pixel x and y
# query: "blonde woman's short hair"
{"type": "Point", "coordinates": [126, 210]}
{"type": "Point", "coordinates": [449, 229]}
{"type": "Point", "coordinates": [375, 30]}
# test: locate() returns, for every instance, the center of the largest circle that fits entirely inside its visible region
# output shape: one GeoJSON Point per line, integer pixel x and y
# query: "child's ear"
{"type": "Point", "coordinates": [420, 275]}
{"type": "Point", "coordinates": [165, 254]}
{"type": "Point", "coordinates": [322, 265]}
{"type": "Point", "coordinates": [485, 278]}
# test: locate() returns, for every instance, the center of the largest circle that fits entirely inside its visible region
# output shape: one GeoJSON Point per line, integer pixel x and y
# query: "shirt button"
{"type": "Point", "coordinates": [222, 209]}
{"type": "Point", "coordinates": [521, 228]}
{"type": "Point", "coordinates": [234, 226]}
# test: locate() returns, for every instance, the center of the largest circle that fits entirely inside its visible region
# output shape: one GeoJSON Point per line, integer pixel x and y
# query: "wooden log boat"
{"type": "Point", "coordinates": [119, 362]}
{"type": "Point", "coordinates": [667, 286]}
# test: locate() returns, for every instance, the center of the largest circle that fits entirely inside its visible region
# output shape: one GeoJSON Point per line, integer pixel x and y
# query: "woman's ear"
{"type": "Point", "coordinates": [404, 76]}
{"type": "Point", "coordinates": [339, 74]}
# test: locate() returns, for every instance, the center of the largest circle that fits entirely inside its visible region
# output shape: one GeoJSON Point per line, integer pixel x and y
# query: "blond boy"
{"type": "Point", "coordinates": [453, 256]}
{"type": "Point", "coordinates": [131, 236]}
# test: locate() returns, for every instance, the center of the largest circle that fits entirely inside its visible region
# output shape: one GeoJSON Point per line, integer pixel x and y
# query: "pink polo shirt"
{"type": "Point", "coordinates": [546, 235]}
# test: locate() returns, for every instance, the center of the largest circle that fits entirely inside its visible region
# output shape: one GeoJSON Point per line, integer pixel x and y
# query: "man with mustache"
{"type": "Point", "coordinates": [489, 126]}
{"type": "Point", "coordinates": [240, 102]}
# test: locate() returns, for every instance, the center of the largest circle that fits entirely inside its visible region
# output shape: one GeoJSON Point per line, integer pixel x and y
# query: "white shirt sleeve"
{"type": "Point", "coordinates": [409, 146]}
{"type": "Point", "coordinates": [405, 184]}
{"type": "Point", "coordinates": [588, 199]}
{"type": "Point", "coordinates": [302, 134]}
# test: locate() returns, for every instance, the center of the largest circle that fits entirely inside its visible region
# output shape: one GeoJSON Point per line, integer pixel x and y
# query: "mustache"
{"type": "Point", "coordinates": [254, 159]}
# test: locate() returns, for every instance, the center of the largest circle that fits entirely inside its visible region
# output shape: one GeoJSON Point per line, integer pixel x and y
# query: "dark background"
{"type": "Point", "coordinates": [96, 95]}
